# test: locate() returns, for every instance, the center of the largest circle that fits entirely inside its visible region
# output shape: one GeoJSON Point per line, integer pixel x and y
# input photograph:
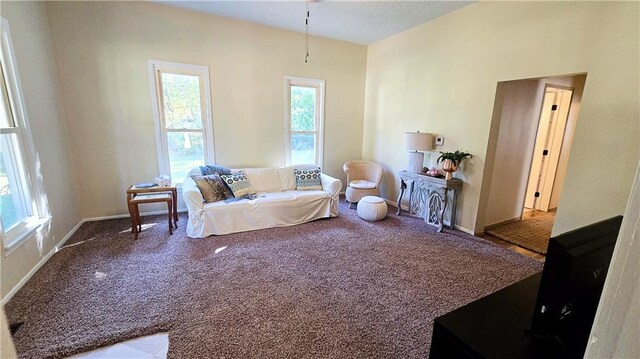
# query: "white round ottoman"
{"type": "Point", "coordinates": [372, 208]}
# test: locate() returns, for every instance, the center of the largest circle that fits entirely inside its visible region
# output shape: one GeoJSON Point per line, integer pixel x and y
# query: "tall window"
{"type": "Point", "coordinates": [182, 111]}
{"type": "Point", "coordinates": [20, 213]}
{"type": "Point", "coordinates": [304, 120]}
{"type": "Point", "coordinates": [14, 192]}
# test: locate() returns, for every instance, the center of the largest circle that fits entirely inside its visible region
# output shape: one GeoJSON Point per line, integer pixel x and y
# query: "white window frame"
{"type": "Point", "coordinates": [24, 157]}
{"type": "Point", "coordinates": [162, 147]}
{"type": "Point", "coordinates": [319, 85]}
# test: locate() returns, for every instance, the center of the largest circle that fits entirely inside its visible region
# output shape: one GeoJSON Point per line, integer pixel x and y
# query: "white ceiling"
{"type": "Point", "coordinates": [362, 22]}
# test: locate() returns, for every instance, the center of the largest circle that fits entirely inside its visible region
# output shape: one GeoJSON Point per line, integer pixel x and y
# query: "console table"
{"type": "Point", "coordinates": [428, 197]}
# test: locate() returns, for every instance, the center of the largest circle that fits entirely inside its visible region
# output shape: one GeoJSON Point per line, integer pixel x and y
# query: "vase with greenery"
{"type": "Point", "coordinates": [451, 161]}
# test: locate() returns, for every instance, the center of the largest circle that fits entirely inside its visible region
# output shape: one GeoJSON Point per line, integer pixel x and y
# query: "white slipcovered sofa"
{"type": "Point", "coordinates": [278, 203]}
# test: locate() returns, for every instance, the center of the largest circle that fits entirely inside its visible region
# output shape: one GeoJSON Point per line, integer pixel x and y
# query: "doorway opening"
{"type": "Point", "coordinates": [529, 145]}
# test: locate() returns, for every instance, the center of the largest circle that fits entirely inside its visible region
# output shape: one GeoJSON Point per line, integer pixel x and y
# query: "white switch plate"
{"type": "Point", "coordinates": [439, 141]}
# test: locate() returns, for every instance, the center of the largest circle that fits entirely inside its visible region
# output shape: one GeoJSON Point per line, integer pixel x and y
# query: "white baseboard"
{"type": "Point", "coordinates": [395, 204]}
{"type": "Point", "coordinates": [465, 230]}
{"type": "Point", "coordinates": [405, 208]}
{"type": "Point", "coordinates": [44, 260]}
{"type": "Point", "coordinates": [116, 216]}
{"type": "Point", "coordinates": [501, 223]}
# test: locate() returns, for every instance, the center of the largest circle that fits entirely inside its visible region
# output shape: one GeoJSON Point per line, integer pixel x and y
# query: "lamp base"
{"type": "Point", "coordinates": [416, 159]}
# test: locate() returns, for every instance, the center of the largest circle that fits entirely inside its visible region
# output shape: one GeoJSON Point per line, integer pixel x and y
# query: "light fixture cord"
{"type": "Point", "coordinates": [306, 24]}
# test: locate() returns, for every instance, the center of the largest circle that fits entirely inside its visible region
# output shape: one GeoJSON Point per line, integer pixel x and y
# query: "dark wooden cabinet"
{"type": "Point", "coordinates": [494, 327]}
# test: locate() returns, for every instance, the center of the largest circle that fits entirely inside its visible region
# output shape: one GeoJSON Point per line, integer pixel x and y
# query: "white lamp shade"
{"type": "Point", "coordinates": [418, 141]}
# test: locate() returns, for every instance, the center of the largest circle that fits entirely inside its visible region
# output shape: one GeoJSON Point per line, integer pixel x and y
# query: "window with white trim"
{"type": "Point", "coordinates": [20, 215]}
{"type": "Point", "coordinates": [304, 120]}
{"type": "Point", "coordinates": [182, 112]}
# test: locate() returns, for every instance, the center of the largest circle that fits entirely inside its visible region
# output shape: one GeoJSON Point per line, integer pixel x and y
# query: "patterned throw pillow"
{"type": "Point", "coordinates": [308, 180]}
{"type": "Point", "coordinates": [239, 185]}
{"type": "Point", "coordinates": [212, 188]}
{"type": "Point", "coordinates": [209, 170]}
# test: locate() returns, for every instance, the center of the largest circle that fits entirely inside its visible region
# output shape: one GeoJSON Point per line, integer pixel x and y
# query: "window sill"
{"type": "Point", "coordinates": [19, 236]}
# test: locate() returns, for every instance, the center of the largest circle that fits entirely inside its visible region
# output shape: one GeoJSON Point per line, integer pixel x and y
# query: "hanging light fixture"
{"type": "Point", "coordinates": [306, 24]}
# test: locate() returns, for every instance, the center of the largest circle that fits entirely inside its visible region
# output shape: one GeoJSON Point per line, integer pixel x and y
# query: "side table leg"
{"type": "Point", "coordinates": [136, 220]}
{"type": "Point", "coordinates": [444, 209]}
{"type": "Point", "coordinates": [411, 189]}
{"type": "Point", "coordinates": [133, 219]}
{"type": "Point", "coordinates": [402, 187]}
{"type": "Point", "coordinates": [454, 209]}
{"type": "Point", "coordinates": [170, 215]}
{"type": "Point", "coordinates": [133, 222]}
{"type": "Point", "coordinates": [175, 207]}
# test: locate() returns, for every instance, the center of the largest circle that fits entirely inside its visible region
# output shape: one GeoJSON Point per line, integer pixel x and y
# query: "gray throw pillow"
{"type": "Point", "coordinates": [211, 169]}
{"type": "Point", "coordinates": [212, 188]}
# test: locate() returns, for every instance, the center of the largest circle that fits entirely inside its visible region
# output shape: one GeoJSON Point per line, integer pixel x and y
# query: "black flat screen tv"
{"type": "Point", "coordinates": [572, 281]}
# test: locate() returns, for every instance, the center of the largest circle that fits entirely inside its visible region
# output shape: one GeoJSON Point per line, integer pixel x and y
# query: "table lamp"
{"type": "Point", "coordinates": [414, 142]}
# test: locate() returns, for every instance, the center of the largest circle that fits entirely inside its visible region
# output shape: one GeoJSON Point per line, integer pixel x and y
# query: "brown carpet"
{"type": "Point", "coordinates": [336, 288]}
{"type": "Point", "coordinates": [532, 233]}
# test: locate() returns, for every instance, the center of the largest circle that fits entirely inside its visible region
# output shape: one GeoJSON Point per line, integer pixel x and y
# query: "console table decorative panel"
{"type": "Point", "coordinates": [429, 197]}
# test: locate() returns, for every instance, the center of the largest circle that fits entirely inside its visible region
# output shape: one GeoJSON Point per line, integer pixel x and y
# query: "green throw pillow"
{"type": "Point", "coordinates": [239, 185]}
{"type": "Point", "coordinates": [308, 180]}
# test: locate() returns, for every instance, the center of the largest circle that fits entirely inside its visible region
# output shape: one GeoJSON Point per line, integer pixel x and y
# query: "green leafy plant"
{"type": "Point", "coordinates": [455, 157]}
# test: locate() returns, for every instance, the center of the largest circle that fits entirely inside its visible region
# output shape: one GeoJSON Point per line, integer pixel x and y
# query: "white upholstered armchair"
{"type": "Point", "coordinates": [363, 179]}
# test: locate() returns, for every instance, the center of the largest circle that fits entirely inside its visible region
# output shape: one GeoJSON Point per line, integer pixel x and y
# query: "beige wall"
{"type": "Point", "coordinates": [516, 139]}
{"type": "Point", "coordinates": [34, 57]}
{"type": "Point", "coordinates": [441, 77]}
{"type": "Point", "coordinates": [7, 350]}
{"type": "Point", "coordinates": [102, 50]}
{"type": "Point", "coordinates": [616, 326]}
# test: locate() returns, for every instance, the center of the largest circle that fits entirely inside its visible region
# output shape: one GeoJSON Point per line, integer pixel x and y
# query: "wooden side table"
{"type": "Point", "coordinates": [428, 196]}
{"type": "Point", "coordinates": [137, 196]}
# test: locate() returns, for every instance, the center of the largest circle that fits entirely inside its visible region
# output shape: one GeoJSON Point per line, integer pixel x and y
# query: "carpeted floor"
{"type": "Point", "coordinates": [532, 233]}
{"type": "Point", "coordinates": [336, 288]}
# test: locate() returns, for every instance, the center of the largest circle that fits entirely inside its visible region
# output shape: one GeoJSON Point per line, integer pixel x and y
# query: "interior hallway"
{"type": "Point", "coordinates": [531, 234]}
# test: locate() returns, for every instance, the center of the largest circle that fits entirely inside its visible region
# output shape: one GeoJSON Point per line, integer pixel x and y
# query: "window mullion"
{"type": "Point", "coordinates": [8, 130]}
{"type": "Point", "coordinates": [303, 132]}
{"type": "Point", "coordinates": [201, 130]}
